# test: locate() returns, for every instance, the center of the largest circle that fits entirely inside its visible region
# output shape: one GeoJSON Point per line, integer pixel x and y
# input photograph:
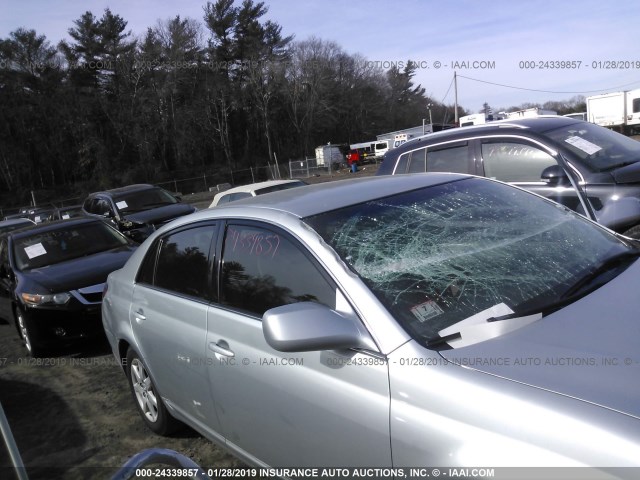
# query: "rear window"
{"type": "Point", "coordinates": [144, 200]}
{"type": "Point", "coordinates": [282, 186]}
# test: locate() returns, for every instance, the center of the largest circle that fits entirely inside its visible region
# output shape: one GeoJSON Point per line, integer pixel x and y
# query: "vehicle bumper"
{"type": "Point", "coordinates": [49, 327]}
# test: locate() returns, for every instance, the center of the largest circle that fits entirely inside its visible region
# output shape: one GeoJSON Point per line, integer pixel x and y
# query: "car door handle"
{"type": "Point", "coordinates": [140, 315]}
{"type": "Point", "coordinates": [221, 350]}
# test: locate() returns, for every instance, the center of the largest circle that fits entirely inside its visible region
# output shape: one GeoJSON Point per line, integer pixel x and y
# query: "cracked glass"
{"type": "Point", "coordinates": [438, 255]}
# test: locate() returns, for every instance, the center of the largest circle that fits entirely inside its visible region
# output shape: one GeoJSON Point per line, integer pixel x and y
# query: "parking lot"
{"type": "Point", "coordinates": [72, 414]}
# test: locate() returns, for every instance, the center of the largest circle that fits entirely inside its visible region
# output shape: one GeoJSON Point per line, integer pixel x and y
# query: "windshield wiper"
{"type": "Point", "coordinates": [571, 294]}
{"type": "Point", "coordinates": [602, 267]}
{"type": "Point", "coordinates": [438, 340]}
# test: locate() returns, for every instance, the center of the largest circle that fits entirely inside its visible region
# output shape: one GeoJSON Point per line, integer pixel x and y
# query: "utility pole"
{"type": "Point", "coordinates": [455, 89]}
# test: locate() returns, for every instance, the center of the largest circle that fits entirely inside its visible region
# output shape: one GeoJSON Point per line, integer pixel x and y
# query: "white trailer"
{"type": "Point", "coordinates": [529, 113]}
{"type": "Point", "coordinates": [617, 110]}
{"type": "Point", "coordinates": [480, 118]}
{"type": "Point", "coordinates": [329, 155]}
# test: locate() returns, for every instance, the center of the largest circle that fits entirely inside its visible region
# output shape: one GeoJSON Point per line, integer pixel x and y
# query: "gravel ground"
{"type": "Point", "coordinates": [72, 414]}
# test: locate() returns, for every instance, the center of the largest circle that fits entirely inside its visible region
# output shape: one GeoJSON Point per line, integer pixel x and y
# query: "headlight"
{"type": "Point", "coordinates": [38, 299]}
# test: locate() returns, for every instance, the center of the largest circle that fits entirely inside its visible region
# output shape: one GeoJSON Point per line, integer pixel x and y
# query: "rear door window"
{"type": "Point", "coordinates": [183, 263]}
{"type": "Point", "coordinates": [418, 161]}
{"type": "Point", "coordinates": [453, 158]}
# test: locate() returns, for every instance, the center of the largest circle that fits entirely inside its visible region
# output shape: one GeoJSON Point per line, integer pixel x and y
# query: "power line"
{"type": "Point", "coordinates": [446, 117]}
{"type": "Point", "coordinates": [545, 91]}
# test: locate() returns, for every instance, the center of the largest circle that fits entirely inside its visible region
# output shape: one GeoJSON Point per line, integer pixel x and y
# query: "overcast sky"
{"type": "Point", "coordinates": [489, 40]}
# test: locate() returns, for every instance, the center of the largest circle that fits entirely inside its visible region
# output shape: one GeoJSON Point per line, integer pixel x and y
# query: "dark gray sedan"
{"type": "Point", "coordinates": [413, 320]}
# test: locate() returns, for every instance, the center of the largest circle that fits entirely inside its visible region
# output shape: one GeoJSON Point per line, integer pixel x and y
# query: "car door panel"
{"type": "Point", "coordinates": [267, 401]}
{"type": "Point", "coordinates": [168, 316]}
{"type": "Point", "coordinates": [288, 407]}
{"type": "Point", "coordinates": [170, 331]}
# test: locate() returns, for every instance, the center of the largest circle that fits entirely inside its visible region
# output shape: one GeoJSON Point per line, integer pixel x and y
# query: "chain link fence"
{"type": "Point", "coordinates": [309, 168]}
{"type": "Point", "coordinates": [221, 181]}
{"type": "Point", "coordinates": [213, 182]}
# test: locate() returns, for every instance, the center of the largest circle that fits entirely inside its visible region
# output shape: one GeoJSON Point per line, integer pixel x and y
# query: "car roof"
{"type": "Point", "coordinates": [52, 226]}
{"type": "Point", "coordinates": [258, 185]}
{"type": "Point", "coordinates": [70, 207]}
{"type": "Point", "coordinates": [16, 221]}
{"type": "Point", "coordinates": [537, 125]}
{"type": "Point", "coordinates": [126, 189]}
{"type": "Point", "coordinates": [328, 196]}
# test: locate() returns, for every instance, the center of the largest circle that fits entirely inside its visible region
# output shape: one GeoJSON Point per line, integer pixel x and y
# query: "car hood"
{"type": "Point", "coordinates": [589, 350]}
{"type": "Point", "coordinates": [80, 272]}
{"type": "Point", "coordinates": [627, 174]}
{"type": "Point", "coordinates": [160, 215]}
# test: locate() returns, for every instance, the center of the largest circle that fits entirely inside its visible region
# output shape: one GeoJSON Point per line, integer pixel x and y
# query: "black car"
{"type": "Point", "coordinates": [52, 277]}
{"type": "Point", "coordinates": [40, 214]}
{"type": "Point", "coordinates": [15, 224]}
{"type": "Point", "coordinates": [585, 167]}
{"type": "Point", "coordinates": [136, 210]}
{"type": "Point", "coordinates": [64, 213]}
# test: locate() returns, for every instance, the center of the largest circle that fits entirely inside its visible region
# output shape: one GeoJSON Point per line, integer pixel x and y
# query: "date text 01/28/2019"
{"type": "Point", "coordinates": [578, 64]}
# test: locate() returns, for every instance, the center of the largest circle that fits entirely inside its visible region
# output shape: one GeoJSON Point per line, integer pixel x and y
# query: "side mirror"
{"type": "Point", "coordinates": [555, 175]}
{"type": "Point", "coordinates": [308, 326]}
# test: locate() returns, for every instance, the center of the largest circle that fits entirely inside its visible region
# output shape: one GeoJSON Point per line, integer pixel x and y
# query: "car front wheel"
{"type": "Point", "coordinates": [146, 397]}
{"type": "Point", "coordinates": [25, 330]}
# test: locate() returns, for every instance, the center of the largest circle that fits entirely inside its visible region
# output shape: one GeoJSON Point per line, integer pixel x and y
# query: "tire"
{"type": "Point", "coordinates": [633, 232]}
{"type": "Point", "coordinates": [25, 332]}
{"type": "Point", "coordinates": [146, 397]}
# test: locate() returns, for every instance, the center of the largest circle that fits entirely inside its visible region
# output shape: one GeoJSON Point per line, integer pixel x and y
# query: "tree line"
{"type": "Point", "coordinates": [228, 91]}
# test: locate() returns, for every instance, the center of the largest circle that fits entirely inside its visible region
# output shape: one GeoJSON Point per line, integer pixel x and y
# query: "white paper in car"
{"type": "Point", "coordinates": [479, 318]}
{"type": "Point", "coordinates": [426, 310]}
{"type": "Point", "coordinates": [476, 329]}
{"type": "Point", "coordinates": [65, 216]}
{"type": "Point", "coordinates": [34, 251]}
{"type": "Point", "coordinates": [121, 205]}
{"type": "Point", "coordinates": [584, 145]}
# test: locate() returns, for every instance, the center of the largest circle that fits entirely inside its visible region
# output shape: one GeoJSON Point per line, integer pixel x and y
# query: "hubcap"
{"type": "Point", "coordinates": [143, 389]}
{"type": "Point", "coordinates": [24, 332]}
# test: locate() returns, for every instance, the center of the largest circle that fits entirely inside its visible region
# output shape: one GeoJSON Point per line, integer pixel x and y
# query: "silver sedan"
{"type": "Point", "coordinates": [415, 320]}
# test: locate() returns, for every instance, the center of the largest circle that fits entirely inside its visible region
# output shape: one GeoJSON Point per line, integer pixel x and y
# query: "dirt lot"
{"type": "Point", "coordinates": [72, 414]}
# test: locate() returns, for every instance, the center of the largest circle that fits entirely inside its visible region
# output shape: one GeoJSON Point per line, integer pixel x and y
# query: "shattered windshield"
{"type": "Point", "coordinates": [439, 255]}
{"type": "Point", "coordinates": [599, 148]}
